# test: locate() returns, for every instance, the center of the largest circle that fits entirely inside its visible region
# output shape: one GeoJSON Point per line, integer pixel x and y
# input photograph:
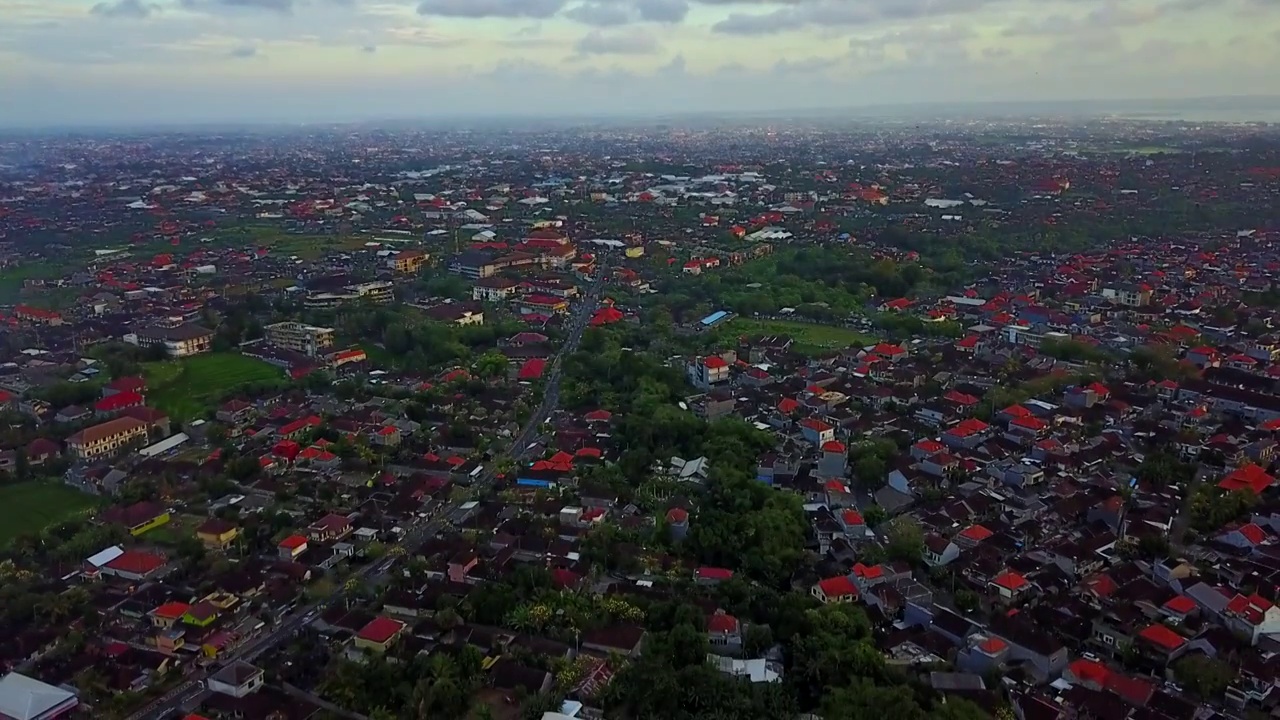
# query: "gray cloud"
{"type": "Point", "coordinates": [491, 8]}
{"type": "Point", "coordinates": [598, 43]}
{"type": "Point", "coordinates": [839, 13]}
{"type": "Point", "coordinates": [666, 11]}
{"type": "Point", "coordinates": [599, 14]}
{"type": "Point", "coordinates": [244, 51]}
{"type": "Point", "coordinates": [134, 9]}
{"type": "Point", "coordinates": [369, 49]}
{"type": "Point", "coordinates": [280, 6]}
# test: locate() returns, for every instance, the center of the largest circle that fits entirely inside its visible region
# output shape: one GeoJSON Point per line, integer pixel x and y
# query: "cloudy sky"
{"type": "Point", "coordinates": [137, 61]}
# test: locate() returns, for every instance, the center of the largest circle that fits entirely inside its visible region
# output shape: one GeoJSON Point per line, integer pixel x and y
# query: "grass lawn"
{"type": "Point", "coordinates": [33, 506]}
{"type": "Point", "coordinates": [808, 339]}
{"type": "Point", "coordinates": [187, 388]}
{"type": "Point", "coordinates": [174, 531]}
{"type": "Point", "coordinates": [279, 242]}
{"type": "Point", "coordinates": [12, 279]}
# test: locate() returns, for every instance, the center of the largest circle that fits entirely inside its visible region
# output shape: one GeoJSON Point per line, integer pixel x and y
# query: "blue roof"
{"type": "Point", "coordinates": [533, 482]}
{"type": "Point", "coordinates": [714, 317]}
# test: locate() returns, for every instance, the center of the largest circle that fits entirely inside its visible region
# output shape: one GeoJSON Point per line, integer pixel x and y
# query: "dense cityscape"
{"type": "Point", "coordinates": [845, 420]}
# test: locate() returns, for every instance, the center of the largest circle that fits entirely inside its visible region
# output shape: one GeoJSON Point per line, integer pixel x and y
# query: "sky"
{"type": "Point", "coordinates": [112, 62]}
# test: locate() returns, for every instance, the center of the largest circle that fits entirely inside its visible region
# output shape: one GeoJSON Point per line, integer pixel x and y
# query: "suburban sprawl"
{"type": "Point", "coordinates": [929, 421]}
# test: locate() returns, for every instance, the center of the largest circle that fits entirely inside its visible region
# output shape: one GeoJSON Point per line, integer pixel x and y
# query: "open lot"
{"type": "Point", "coordinates": [808, 338]}
{"type": "Point", "coordinates": [30, 507]}
{"type": "Point", "coordinates": [186, 388]}
{"type": "Point", "coordinates": [279, 242]}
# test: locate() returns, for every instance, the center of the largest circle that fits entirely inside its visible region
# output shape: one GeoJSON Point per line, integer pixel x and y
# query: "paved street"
{"type": "Point", "coordinates": [187, 693]}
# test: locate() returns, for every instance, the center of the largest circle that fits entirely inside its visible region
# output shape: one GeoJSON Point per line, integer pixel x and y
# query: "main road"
{"type": "Point", "coordinates": [194, 686]}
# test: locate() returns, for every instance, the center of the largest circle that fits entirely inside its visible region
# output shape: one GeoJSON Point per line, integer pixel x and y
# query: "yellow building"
{"type": "Point", "coordinates": [217, 534]}
{"type": "Point", "coordinates": [634, 252]}
{"type": "Point", "coordinates": [408, 261]}
{"type": "Point", "coordinates": [379, 634]}
{"type": "Point", "coordinates": [105, 439]}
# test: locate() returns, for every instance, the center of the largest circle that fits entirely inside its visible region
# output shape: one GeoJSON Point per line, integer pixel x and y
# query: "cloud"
{"type": "Point", "coordinates": [491, 8]}
{"type": "Point", "coordinates": [599, 14]}
{"type": "Point", "coordinates": [369, 49]}
{"type": "Point", "coordinates": [280, 6]}
{"type": "Point", "coordinates": [134, 9]}
{"type": "Point", "coordinates": [839, 13]}
{"type": "Point", "coordinates": [664, 11]}
{"type": "Point", "coordinates": [598, 43]}
{"type": "Point", "coordinates": [244, 51]}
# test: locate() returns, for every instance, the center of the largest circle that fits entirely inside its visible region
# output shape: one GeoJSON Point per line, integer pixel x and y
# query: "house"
{"type": "Point", "coordinates": [379, 634]}
{"type": "Point", "coordinates": [835, 589]}
{"type": "Point", "coordinates": [1009, 587]}
{"type": "Point", "coordinates": [135, 565]}
{"type": "Point", "coordinates": [724, 633]}
{"type": "Point", "coordinates": [237, 679]}
{"type": "Point", "coordinates": [117, 402]}
{"type": "Point", "coordinates": [708, 371]}
{"type": "Point", "coordinates": [939, 551]}
{"type": "Point", "coordinates": [137, 518]}
{"type": "Point", "coordinates": [177, 341]}
{"type": "Point", "coordinates": [37, 316]}
{"type": "Point", "coordinates": [106, 439]}
{"type": "Point", "coordinates": [1252, 617]}
{"type": "Point", "coordinates": [41, 450]}
{"type": "Point", "coordinates": [25, 698]}
{"type": "Point", "coordinates": [758, 670]}
{"type": "Point", "coordinates": [711, 575]}
{"type": "Point", "coordinates": [235, 412]}
{"type": "Point", "coordinates": [291, 547]}
{"type": "Point", "coordinates": [329, 528]}
{"type": "Point", "coordinates": [217, 534]}
{"type": "Point", "coordinates": [816, 431]}
{"type": "Point", "coordinates": [626, 640]}
{"type": "Point", "coordinates": [167, 615]}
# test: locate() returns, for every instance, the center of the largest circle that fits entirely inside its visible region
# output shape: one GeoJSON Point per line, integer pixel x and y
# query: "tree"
{"type": "Point", "coordinates": [904, 539]}
{"type": "Point", "coordinates": [1206, 677]}
{"type": "Point", "coordinates": [870, 472]}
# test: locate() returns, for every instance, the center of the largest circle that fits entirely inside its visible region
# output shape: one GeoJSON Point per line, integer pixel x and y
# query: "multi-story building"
{"type": "Point", "coordinates": [494, 289]}
{"type": "Point", "coordinates": [299, 337]}
{"type": "Point", "coordinates": [378, 292]}
{"type": "Point", "coordinates": [178, 341]}
{"type": "Point", "coordinates": [408, 261]}
{"type": "Point", "coordinates": [36, 315]}
{"type": "Point", "coordinates": [106, 439]}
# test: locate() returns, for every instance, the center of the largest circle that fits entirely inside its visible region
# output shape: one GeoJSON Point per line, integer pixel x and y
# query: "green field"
{"type": "Point", "coordinates": [12, 279]}
{"type": "Point", "coordinates": [279, 242]}
{"type": "Point", "coordinates": [187, 388]}
{"type": "Point", "coordinates": [808, 339]}
{"type": "Point", "coordinates": [30, 507]}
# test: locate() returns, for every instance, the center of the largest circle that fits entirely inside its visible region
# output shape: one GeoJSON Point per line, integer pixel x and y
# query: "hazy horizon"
{"type": "Point", "coordinates": [86, 63]}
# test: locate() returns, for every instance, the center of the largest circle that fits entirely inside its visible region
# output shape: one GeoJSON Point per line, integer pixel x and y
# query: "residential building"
{"type": "Point", "coordinates": [217, 534]}
{"type": "Point", "coordinates": [38, 316]}
{"type": "Point", "coordinates": [178, 341]}
{"type": "Point", "coordinates": [379, 634]}
{"type": "Point", "coordinates": [106, 439]}
{"type": "Point", "coordinates": [237, 679]}
{"type": "Point", "coordinates": [309, 340]}
{"type": "Point", "coordinates": [25, 698]}
{"type": "Point", "coordinates": [137, 518]}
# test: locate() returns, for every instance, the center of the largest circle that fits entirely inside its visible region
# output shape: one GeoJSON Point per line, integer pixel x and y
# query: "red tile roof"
{"type": "Point", "coordinates": [137, 562]}
{"type": "Point", "coordinates": [1010, 580]}
{"type": "Point", "coordinates": [976, 533]}
{"type": "Point", "coordinates": [1162, 636]}
{"type": "Point", "coordinates": [380, 630]}
{"type": "Point", "coordinates": [839, 586]}
{"type": "Point", "coordinates": [171, 610]}
{"type": "Point", "coordinates": [1180, 605]}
